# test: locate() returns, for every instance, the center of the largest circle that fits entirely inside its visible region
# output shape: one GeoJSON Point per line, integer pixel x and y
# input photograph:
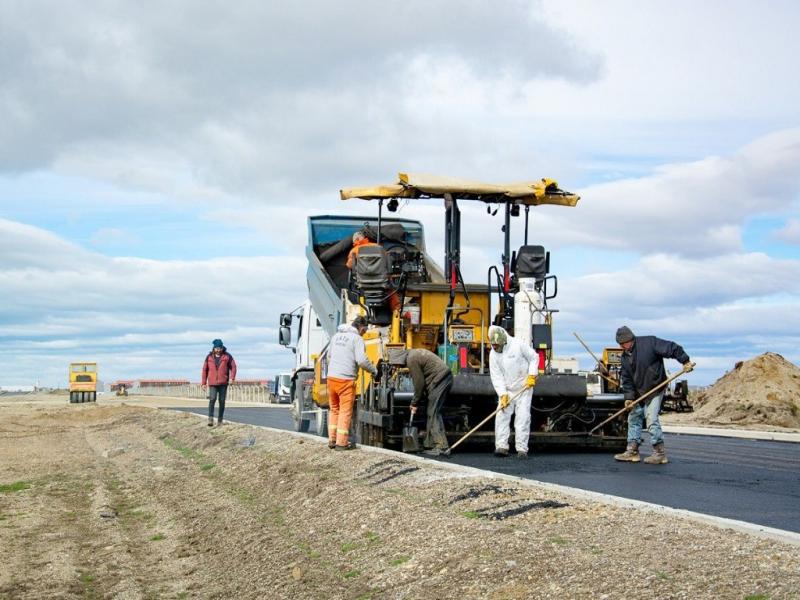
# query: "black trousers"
{"type": "Point", "coordinates": [435, 436]}
{"type": "Point", "coordinates": [217, 392]}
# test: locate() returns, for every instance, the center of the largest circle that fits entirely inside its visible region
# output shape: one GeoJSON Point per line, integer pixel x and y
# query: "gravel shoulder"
{"type": "Point", "coordinates": [132, 502]}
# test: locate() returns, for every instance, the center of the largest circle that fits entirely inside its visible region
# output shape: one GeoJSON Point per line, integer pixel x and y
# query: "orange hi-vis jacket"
{"type": "Point", "coordinates": [351, 258]}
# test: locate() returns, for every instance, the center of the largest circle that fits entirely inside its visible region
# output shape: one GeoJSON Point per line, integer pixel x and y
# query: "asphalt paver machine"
{"type": "Point", "coordinates": [411, 302]}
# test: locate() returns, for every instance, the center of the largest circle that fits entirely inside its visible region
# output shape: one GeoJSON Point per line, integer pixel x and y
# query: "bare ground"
{"type": "Point", "coordinates": [123, 501]}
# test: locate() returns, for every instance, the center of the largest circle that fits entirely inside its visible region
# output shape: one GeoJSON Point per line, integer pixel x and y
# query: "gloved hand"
{"type": "Point", "coordinates": [629, 398]}
{"type": "Point", "coordinates": [530, 381]}
{"type": "Point", "coordinates": [504, 401]}
{"type": "Point", "coordinates": [688, 366]}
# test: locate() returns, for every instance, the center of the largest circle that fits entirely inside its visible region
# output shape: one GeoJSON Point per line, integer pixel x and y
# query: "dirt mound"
{"type": "Point", "coordinates": [764, 390]}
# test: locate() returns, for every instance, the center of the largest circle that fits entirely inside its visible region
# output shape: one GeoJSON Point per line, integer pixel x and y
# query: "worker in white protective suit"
{"type": "Point", "coordinates": [512, 366]}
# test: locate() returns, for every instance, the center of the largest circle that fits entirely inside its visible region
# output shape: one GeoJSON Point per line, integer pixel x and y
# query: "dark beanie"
{"type": "Point", "coordinates": [217, 343]}
{"type": "Point", "coordinates": [624, 334]}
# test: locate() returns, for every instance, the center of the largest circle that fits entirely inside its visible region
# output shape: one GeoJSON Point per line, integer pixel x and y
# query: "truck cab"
{"type": "Point", "coordinates": [283, 388]}
{"type": "Point", "coordinates": [303, 325]}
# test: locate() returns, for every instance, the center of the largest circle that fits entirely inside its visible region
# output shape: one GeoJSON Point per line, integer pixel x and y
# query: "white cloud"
{"type": "Point", "coordinates": [693, 209]}
{"type": "Point", "coordinates": [661, 282]}
{"type": "Point", "coordinates": [253, 116]}
{"type": "Point", "coordinates": [682, 60]}
{"type": "Point", "coordinates": [790, 232]}
{"type": "Point", "coordinates": [243, 91]}
{"type": "Point", "coordinates": [142, 317]}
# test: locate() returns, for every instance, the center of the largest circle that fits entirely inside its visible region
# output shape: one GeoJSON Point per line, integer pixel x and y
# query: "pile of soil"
{"type": "Point", "coordinates": [762, 391]}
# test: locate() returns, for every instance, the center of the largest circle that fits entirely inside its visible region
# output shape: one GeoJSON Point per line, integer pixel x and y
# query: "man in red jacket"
{"type": "Point", "coordinates": [219, 369]}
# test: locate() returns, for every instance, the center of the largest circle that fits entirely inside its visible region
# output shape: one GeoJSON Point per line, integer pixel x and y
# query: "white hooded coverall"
{"type": "Point", "coordinates": [509, 371]}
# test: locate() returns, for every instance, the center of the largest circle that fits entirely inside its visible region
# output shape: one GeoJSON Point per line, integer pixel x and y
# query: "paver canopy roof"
{"type": "Point", "coordinates": [543, 191]}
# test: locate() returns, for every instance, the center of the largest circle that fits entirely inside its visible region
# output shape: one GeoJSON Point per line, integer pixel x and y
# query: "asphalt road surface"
{"type": "Point", "coordinates": [748, 480]}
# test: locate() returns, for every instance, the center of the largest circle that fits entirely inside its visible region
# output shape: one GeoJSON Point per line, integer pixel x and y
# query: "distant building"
{"type": "Point", "coordinates": [152, 383]}
{"type": "Point", "coordinates": [254, 382]}
{"type": "Point", "coordinates": [17, 389]}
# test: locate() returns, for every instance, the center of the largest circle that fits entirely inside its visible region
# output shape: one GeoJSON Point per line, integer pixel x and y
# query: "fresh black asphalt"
{"type": "Point", "coordinates": [747, 480]}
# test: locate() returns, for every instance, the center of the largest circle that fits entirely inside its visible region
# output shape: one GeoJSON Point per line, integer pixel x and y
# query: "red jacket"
{"type": "Point", "coordinates": [219, 375]}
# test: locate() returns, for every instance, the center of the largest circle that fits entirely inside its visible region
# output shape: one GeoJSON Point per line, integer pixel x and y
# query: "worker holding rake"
{"type": "Point", "coordinates": [512, 367]}
{"type": "Point", "coordinates": [642, 369]}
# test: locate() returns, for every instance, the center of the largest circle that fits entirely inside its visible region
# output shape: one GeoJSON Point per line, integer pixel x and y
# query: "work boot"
{"type": "Point", "coordinates": [522, 455]}
{"type": "Point", "coordinates": [210, 421]}
{"type": "Point", "coordinates": [219, 422]}
{"type": "Point", "coordinates": [501, 452]}
{"type": "Point", "coordinates": [331, 445]}
{"type": "Point", "coordinates": [658, 457]}
{"type": "Point", "coordinates": [631, 454]}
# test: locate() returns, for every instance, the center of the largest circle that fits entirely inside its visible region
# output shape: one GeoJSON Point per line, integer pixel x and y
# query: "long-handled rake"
{"type": "Point", "coordinates": [640, 398]}
{"type": "Point", "coordinates": [479, 425]}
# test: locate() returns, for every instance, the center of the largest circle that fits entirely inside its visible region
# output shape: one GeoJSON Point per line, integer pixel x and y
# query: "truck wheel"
{"type": "Point", "coordinates": [72, 399]}
{"type": "Point", "coordinates": [300, 424]}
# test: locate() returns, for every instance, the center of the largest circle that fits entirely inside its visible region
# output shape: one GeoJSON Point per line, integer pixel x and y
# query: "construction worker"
{"type": "Point", "coordinates": [642, 369]}
{"type": "Point", "coordinates": [219, 369]}
{"type": "Point", "coordinates": [432, 380]}
{"type": "Point", "coordinates": [512, 367]}
{"type": "Point", "coordinates": [346, 353]}
{"type": "Point", "coordinates": [359, 239]}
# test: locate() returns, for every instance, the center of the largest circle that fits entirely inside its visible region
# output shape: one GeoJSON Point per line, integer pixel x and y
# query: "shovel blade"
{"type": "Point", "coordinates": [410, 439]}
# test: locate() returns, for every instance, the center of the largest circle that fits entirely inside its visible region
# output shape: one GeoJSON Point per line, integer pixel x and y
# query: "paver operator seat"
{"type": "Point", "coordinates": [372, 283]}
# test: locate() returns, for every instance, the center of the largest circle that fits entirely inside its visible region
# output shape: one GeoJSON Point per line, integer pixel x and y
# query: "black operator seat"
{"type": "Point", "coordinates": [532, 262]}
{"type": "Point", "coordinates": [372, 282]}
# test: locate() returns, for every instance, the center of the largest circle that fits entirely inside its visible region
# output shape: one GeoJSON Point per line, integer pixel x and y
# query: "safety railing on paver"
{"type": "Point", "coordinates": [252, 394]}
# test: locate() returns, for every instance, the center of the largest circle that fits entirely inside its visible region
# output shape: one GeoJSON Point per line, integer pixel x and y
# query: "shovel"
{"type": "Point", "coordinates": [410, 436]}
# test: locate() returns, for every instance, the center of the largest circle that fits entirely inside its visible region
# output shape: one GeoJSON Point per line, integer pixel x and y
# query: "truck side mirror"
{"type": "Point", "coordinates": [284, 336]}
{"type": "Point", "coordinates": [286, 319]}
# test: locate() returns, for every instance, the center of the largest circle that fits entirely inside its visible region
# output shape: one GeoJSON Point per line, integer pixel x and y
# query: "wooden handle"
{"type": "Point", "coordinates": [635, 402]}
{"type": "Point", "coordinates": [479, 425]}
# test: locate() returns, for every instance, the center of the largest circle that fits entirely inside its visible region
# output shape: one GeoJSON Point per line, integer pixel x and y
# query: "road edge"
{"type": "Point", "coordinates": [748, 434]}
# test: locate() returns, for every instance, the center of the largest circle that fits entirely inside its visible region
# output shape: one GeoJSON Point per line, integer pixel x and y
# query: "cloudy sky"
{"type": "Point", "coordinates": [157, 165]}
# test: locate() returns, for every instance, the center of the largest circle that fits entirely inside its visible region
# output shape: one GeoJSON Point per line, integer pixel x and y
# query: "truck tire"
{"type": "Point", "coordinates": [72, 398]}
{"type": "Point", "coordinates": [300, 424]}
